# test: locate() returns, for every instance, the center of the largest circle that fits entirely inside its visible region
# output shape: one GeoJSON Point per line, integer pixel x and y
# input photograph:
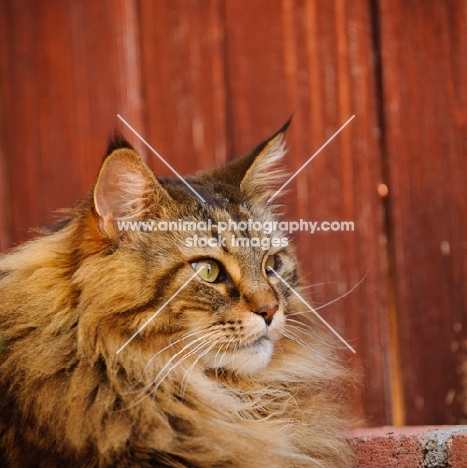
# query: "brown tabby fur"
{"type": "Point", "coordinates": [72, 297]}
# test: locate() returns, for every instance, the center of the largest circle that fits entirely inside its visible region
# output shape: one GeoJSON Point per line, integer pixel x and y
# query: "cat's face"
{"type": "Point", "coordinates": [233, 310]}
{"type": "Point", "coordinates": [207, 289]}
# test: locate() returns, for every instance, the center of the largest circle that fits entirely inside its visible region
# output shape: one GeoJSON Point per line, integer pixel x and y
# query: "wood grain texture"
{"type": "Point", "coordinates": [66, 73]}
{"type": "Point", "coordinates": [5, 212]}
{"type": "Point", "coordinates": [424, 65]}
{"type": "Point", "coordinates": [322, 71]}
{"type": "Point", "coordinates": [5, 221]}
{"type": "Point", "coordinates": [184, 85]}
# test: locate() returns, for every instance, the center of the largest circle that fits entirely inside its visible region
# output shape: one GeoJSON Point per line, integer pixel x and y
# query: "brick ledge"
{"type": "Point", "coordinates": [410, 447]}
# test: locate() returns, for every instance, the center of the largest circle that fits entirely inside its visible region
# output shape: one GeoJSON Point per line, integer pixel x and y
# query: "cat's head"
{"type": "Point", "coordinates": [190, 268]}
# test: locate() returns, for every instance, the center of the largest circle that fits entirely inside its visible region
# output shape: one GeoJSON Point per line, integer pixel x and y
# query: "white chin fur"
{"type": "Point", "coordinates": [244, 361]}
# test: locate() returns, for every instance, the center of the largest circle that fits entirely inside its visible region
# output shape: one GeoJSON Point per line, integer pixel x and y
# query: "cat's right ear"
{"type": "Point", "coordinates": [126, 190]}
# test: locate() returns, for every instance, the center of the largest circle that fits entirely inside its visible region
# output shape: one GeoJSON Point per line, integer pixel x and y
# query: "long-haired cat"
{"type": "Point", "coordinates": [132, 348]}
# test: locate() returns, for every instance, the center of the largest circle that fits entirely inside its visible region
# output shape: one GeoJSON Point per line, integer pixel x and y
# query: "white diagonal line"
{"type": "Point", "coordinates": [311, 309]}
{"type": "Point", "coordinates": [309, 160]}
{"type": "Point", "coordinates": [161, 158]}
{"type": "Point", "coordinates": [157, 312]}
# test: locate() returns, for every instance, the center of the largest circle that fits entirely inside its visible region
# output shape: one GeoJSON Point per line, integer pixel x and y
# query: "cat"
{"type": "Point", "coordinates": [132, 348]}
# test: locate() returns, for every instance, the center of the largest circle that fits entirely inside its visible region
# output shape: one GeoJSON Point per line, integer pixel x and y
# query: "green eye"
{"type": "Point", "coordinates": [270, 263]}
{"type": "Point", "coordinates": [210, 272]}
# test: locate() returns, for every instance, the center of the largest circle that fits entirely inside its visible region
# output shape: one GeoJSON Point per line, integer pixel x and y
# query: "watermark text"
{"type": "Point", "coordinates": [268, 227]}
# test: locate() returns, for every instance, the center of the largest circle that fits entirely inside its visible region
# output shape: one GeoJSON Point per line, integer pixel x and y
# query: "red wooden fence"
{"type": "Point", "coordinates": [204, 80]}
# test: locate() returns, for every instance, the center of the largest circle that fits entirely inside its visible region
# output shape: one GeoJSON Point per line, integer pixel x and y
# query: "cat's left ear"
{"type": "Point", "coordinates": [263, 176]}
{"type": "Point", "coordinates": [256, 173]}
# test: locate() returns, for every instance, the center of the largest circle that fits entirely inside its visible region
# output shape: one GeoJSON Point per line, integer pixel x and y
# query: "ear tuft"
{"type": "Point", "coordinates": [256, 173]}
{"type": "Point", "coordinates": [116, 141]}
{"type": "Point", "coordinates": [124, 191]}
{"type": "Point", "coordinates": [265, 174]}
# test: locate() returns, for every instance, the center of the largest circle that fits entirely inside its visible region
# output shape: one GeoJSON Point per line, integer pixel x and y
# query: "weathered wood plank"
{"type": "Point", "coordinates": [182, 47]}
{"type": "Point", "coordinates": [424, 65]}
{"type": "Point", "coordinates": [316, 59]}
{"type": "Point", "coordinates": [5, 224]}
{"type": "Point", "coordinates": [68, 69]}
{"type": "Point", "coordinates": [5, 214]}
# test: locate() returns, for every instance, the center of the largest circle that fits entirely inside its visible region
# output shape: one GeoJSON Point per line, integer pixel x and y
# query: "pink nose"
{"type": "Point", "coordinates": [267, 312]}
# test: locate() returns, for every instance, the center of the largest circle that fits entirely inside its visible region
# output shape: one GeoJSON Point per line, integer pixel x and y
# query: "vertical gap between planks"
{"type": "Point", "coordinates": [397, 387]}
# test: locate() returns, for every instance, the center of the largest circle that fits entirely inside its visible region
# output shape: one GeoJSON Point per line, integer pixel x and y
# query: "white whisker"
{"type": "Point", "coordinates": [316, 285]}
{"type": "Point", "coordinates": [218, 351]}
{"type": "Point", "coordinates": [157, 385]}
{"type": "Point", "coordinates": [326, 304]}
{"type": "Point", "coordinates": [184, 358]}
{"type": "Point", "coordinates": [148, 385]}
{"type": "Point", "coordinates": [169, 362]}
{"type": "Point", "coordinates": [315, 336]}
{"type": "Point", "coordinates": [190, 369]}
{"type": "Point", "coordinates": [234, 354]}
{"type": "Point", "coordinates": [345, 294]}
{"type": "Point", "coordinates": [298, 340]}
{"type": "Point", "coordinates": [310, 331]}
{"type": "Point", "coordinates": [194, 332]}
{"type": "Point", "coordinates": [306, 329]}
{"type": "Point", "coordinates": [280, 348]}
